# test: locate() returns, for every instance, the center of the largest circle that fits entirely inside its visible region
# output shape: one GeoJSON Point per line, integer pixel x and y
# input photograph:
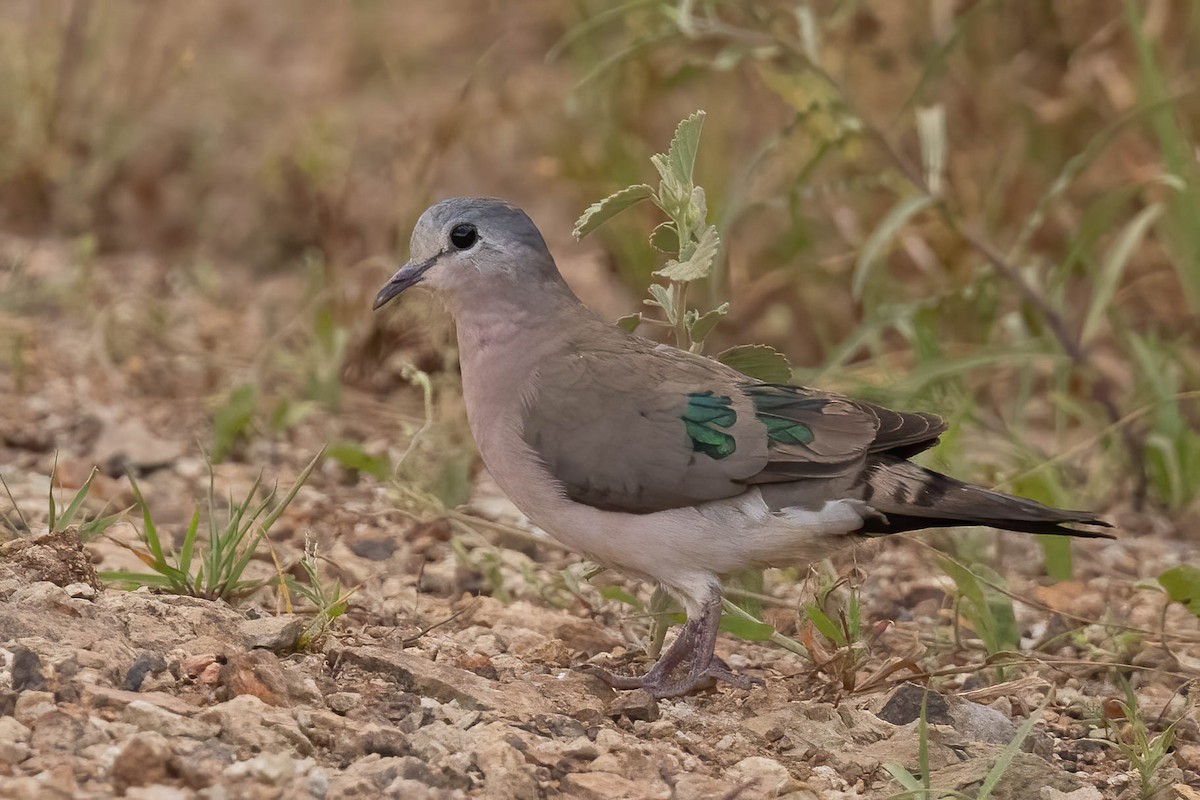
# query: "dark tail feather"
{"type": "Point", "coordinates": [909, 497]}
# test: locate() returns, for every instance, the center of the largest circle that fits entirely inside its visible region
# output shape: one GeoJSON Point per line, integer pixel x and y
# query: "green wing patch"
{"type": "Point", "coordinates": [704, 411]}
{"type": "Point", "coordinates": [776, 411]}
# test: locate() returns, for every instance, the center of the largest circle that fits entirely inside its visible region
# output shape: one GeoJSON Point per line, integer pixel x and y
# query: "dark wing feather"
{"type": "Point", "coordinates": [626, 424]}
{"type": "Point", "coordinates": [903, 433]}
{"type": "Point", "coordinates": [815, 434]}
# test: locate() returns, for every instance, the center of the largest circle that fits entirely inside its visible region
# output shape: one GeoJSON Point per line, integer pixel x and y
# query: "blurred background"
{"type": "Point", "coordinates": [988, 209]}
{"type": "Point", "coordinates": [983, 208]}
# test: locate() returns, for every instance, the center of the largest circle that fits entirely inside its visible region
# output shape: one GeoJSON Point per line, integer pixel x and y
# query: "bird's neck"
{"type": "Point", "coordinates": [502, 343]}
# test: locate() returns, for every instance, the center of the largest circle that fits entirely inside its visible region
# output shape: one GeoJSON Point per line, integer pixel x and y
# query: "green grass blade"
{"type": "Point", "coordinates": [891, 224]}
{"type": "Point", "coordinates": [53, 472]}
{"type": "Point", "coordinates": [906, 779]}
{"type": "Point", "coordinates": [1127, 242]}
{"type": "Point", "coordinates": [149, 530]}
{"type": "Point", "coordinates": [136, 579]}
{"type": "Point", "coordinates": [189, 546]}
{"type": "Point", "coordinates": [68, 516]}
{"type": "Point", "coordinates": [13, 500]}
{"type": "Point", "coordinates": [1010, 751]}
{"type": "Point", "coordinates": [301, 479]}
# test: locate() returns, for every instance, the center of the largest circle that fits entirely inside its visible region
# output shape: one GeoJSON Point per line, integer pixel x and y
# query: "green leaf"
{"type": "Point", "coordinates": [629, 323]}
{"type": "Point", "coordinates": [704, 324]}
{"type": "Point", "coordinates": [758, 361]}
{"type": "Point", "coordinates": [1056, 552]}
{"type": "Point", "coordinates": [825, 625]}
{"type": "Point", "coordinates": [665, 238]}
{"type": "Point", "coordinates": [681, 156]}
{"type": "Point", "coordinates": [698, 264]}
{"type": "Point", "coordinates": [620, 595]}
{"type": "Point", "coordinates": [1115, 261]}
{"type": "Point", "coordinates": [748, 629]}
{"type": "Point", "coordinates": [896, 219]}
{"type": "Point", "coordinates": [662, 299]}
{"type": "Point", "coordinates": [1182, 584]}
{"type": "Point", "coordinates": [599, 213]}
{"type": "Point", "coordinates": [352, 456]}
{"type": "Point", "coordinates": [233, 420]}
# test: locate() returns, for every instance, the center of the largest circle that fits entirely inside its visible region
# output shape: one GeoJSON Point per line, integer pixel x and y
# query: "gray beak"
{"type": "Point", "coordinates": [408, 275]}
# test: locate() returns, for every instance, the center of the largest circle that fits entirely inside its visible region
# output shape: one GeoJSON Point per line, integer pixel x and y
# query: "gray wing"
{"type": "Point", "coordinates": [628, 425]}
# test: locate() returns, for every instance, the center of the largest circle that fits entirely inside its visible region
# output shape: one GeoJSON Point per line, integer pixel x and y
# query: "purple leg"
{"type": "Point", "coordinates": [693, 647]}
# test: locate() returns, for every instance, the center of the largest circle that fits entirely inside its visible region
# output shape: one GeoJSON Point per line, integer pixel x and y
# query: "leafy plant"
{"type": "Point", "coordinates": [60, 520]}
{"type": "Point", "coordinates": [693, 245]}
{"type": "Point", "coordinates": [989, 613]}
{"type": "Point", "coordinates": [211, 568]}
{"type": "Point", "coordinates": [1146, 751]}
{"type": "Point", "coordinates": [1182, 584]}
{"type": "Point", "coordinates": [329, 600]}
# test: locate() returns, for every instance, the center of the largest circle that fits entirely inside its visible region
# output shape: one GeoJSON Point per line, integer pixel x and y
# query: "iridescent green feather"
{"type": "Point", "coordinates": [705, 410]}
{"type": "Point", "coordinates": [775, 410]}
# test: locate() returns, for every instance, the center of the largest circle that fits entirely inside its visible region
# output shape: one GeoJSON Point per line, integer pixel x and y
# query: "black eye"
{"type": "Point", "coordinates": [464, 236]}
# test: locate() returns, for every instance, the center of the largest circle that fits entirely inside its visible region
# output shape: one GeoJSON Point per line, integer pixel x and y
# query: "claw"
{"type": "Point", "coordinates": [692, 651]}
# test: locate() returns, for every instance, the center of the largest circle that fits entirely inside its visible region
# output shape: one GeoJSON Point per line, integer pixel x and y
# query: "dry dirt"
{"type": "Point", "coordinates": [455, 672]}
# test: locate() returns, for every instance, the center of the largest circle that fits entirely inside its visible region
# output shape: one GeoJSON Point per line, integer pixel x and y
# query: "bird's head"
{"type": "Point", "coordinates": [474, 247]}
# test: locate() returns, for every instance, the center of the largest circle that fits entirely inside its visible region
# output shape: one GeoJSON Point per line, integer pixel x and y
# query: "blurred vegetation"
{"type": "Point", "coordinates": [985, 208]}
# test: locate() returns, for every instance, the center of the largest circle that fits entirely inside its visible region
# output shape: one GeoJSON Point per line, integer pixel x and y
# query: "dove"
{"type": "Point", "coordinates": [667, 465]}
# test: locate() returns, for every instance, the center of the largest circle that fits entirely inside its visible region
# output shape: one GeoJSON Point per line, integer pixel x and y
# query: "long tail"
{"type": "Point", "coordinates": [909, 497]}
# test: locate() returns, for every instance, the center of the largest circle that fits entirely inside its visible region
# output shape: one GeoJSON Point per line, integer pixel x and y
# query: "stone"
{"type": "Point", "coordinates": [586, 637]}
{"type": "Point", "coordinates": [705, 786]}
{"type": "Point", "coordinates": [149, 717]}
{"type": "Point", "coordinates": [26, 671]}
{"type": "Point", "coordinates": [904, 706]}
{"type": "Point", "coordinates": [141, 760]}
{"type": "Point", "coordinates": [13, 731]}
{"type": "Point", "coordinates": [606, 785]}
{"type": "Point", "coordinates": [415, 673]}
{"type": "Point", "coordinates": [981, 723]}
{"type": "Point", "coordinates": [158, 791]}
{"type": "Point", "coordinates": [506, 773]}
{"type": "Point", "coordinates": [80, 591]}
{"type": "Point", "coordinates": [60, 732]}
{"type": "Point", "coordinates": [257, 673]}
{"type": "Point", "coordinates": [145, 664]}
{"type": "Point", "coordinates": [97, 696]}
{"type": "Point", "coordinates": [1024, 771]}
{"type": "Point", "coordinates": [272, 768]}
{"type": "Point", "coordinates": [248, 722]}
{"type": "Point", "coordinates": [31, 705]}
{"type": "Point", "coordinates": [14, 741]}
{"type": "Point", "coordinates": [766, 775]}
{"type": "Point", "coordinates": [341, 702]}
{"type": "Point", "coordinates": [57, 557]}
{"type": "Point", "coordinates": [1082, 793]}
{"type": "Point", "coordinates": [277, 634]}
{"type": "Point", "coordinates": [636, 705]}
{"type": "Point", "coordinates": [204, 764]}
{"type": "Point", "coordinates": [478, 663]}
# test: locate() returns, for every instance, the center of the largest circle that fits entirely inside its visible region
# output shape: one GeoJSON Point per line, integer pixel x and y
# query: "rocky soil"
{"type": "Point", "coordinates": [155, 696]}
